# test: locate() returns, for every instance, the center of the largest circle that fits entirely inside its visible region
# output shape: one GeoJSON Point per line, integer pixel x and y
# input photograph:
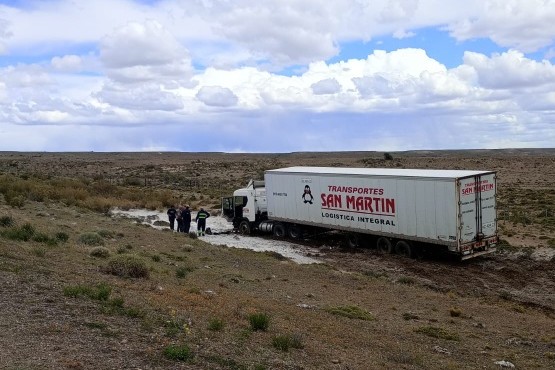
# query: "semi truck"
{"type": "Point", "coordinates": [398, 211]}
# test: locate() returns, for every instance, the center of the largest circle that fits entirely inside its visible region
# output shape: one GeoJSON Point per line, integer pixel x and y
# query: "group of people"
{"type": "Point", "coordinates": [183, 217]}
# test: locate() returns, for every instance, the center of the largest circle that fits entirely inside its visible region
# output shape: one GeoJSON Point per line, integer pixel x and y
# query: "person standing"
{"type": "Point", "coordinates": [202, 215]}
{"type": "Point", "coordinates": [180, 219]}
{"type": "Point", "coordinates": [171, 216]}
{"type": "Point", "coordinates": [186, 215]}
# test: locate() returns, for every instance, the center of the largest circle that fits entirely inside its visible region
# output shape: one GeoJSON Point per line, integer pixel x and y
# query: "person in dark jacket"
{"type": "Point", "coordinates": [180, 219]}
{"type": "Point", "coordinates": [171, 216]}
{"type": "Point", "coordinates": [186, 216]}
{"type": "Point", "coordinates": [202, 215]}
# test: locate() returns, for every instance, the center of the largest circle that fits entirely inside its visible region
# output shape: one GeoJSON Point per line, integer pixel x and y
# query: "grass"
{"type": "Point", "coordinates": [6, 221]}
{"type": "Point", "coordinates": [129, 266]}
{"type": "Point", "coordinates": [352, 312]}
{"type": "Point", "coordinates": [178, 352]}
{"type": "Point", "coordinates": [100, 292]}
{"type": "Point", "coordinates": [215, 324]}
{"type": "Point", "coordinates": [39, 251]}
{"type": "Point", "coordinates": [287, 341]}
{"type": "Point", "coordinates": [436, 332]}
{"type": "Point", "coordinates": [259, 321]}
{"type": "Point", "coordinates": [100, 252]}
{"type": "Point", "coordinates": [182, 272]}
{"type": "Point", "coordinates": [91, 238]}
{"type": "Point", "coordinates": [23, 233]}
{"type": "Point", "coordinates": [407, 280]}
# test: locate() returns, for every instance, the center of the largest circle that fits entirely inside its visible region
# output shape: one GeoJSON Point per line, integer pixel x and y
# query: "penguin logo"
{"type": "Point", "coordinates": [307, 195]}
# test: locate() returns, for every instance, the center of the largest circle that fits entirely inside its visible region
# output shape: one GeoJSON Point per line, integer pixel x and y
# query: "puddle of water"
{"type": "Point", "coordinates": [220, 225]}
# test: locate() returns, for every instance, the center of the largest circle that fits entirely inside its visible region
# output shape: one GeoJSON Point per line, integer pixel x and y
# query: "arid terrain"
{"type": "Point", "coordinates": [82, 290]}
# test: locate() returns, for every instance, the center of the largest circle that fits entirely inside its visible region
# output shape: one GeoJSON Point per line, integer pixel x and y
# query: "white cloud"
{"type": "Point", "coordinates": [112, 63]}
{"type": "Point", "coordinates": [510, 70]}
{"type": "Point", "coordinates": [327, 86]}
{"type": "Point", "coordinates": [526, 25]}
{"type": "Point", "coordinates": [216, 96]}
{"type": "Point", "coordinates": [67, 63]}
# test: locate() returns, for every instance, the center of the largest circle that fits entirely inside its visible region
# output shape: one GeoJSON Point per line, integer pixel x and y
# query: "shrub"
{"type": "Point", "coordinates": [91, 238]}
{"type": "Point", "coordinates": [100, 252]}
{"type": "Point", "coordinates": [23, 233]}
{"type": "Point", "coordinates": [181, 272]}
{"type": "Point", "coordinates": [99, 293]}
{"type": "Point", "coordinates": [106, 233]}
{"type": "Point", "coordinates": [180, 353]}
{"type": "Point", "coordinates": [387, 156]}
{"type": "Point", "coordinates": [455, 312]}
{"type": "Point", "coordinates": [156, 258]}
{"type": "Point", "coordinates": [39, 251]}
{"type": "Point", "coordinates": [215, 324]}
{"type": "Point", "coordinates": [284, 342]}
{"type": "Point", "coordinates": [407, 280]}
{"type": "Point", "coordinates": [259, 321]}
{"type": "Point", "coordinates": [436, 332]}
{"type": "Point", "coordinates": [6, 221]}
{"type": "Point", "coordinates": [127, 266]}
{"type": "Point", "coordinates": [17, 201]}
{"type": "Point", "coordinates": [43, 238]}
{"type": "Point", "coordinates": [61, 236]}
{"type": "Point", "coordinates": [352, 312]}
{"type": "Point", "coordinates": [193, 235]}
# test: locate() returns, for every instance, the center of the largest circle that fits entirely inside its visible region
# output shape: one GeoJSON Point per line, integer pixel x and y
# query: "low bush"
{"type": "Point", "coordinates": [259, 321]}
{"type": "Point", "coordinates": [284, 342]}
{"type": "Point", "coordinates": [23, 233]}
{"type": "Point", "coordinates": [352, 312]}
{"type": "Point", "coordinates": [61, 236]}
{"type": "Point", "coordinates": [182, 271]}
{"type": "Point", "coordinates": [127, 266]}
{"type": "Point", "coordinates": [436, 332]}
{"type": "Point", "coordinates": [100, 252]}
{"type": "Point", "coordinates": [99, 293]}
{"type": "Point", "coordinates": [215, 324]}
{"type": "Point", "coordinates": [179, 353]}
{"type": "Point", "coordinates": [7, 221]}
{"type": "Point", "coordinates": [91, 238]}
{"type": "Point", "coordinates": [39, 251]}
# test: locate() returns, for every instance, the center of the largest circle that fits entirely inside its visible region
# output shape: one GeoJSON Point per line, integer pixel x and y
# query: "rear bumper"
{"type": "Point", "coordinates": [485, 246]}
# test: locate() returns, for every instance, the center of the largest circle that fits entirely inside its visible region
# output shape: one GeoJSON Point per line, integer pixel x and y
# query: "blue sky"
{"type": "Point", "coordinates": [276, 76]}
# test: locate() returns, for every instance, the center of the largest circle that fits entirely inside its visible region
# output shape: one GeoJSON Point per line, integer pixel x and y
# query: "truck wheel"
{"type": "Point", "coordinates": [295, 232]}
{"type": "Point", "coordinates": [245, 227]}
{"type": "Point", "coordinates": [402, 248]}
{"type": "Point", "coordinates": [279, 230]}
{"type": "Point", "coordinates": [384, 246]}
{"type": "Point", "coordinates": [353, 240]}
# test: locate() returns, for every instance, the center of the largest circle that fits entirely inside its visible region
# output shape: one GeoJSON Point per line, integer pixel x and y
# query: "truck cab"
{"type": "Point", "coordinates": [247, 207]}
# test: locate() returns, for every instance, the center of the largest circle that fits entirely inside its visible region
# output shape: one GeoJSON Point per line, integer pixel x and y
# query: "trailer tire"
{"type": "Point", "coordinates": [244, 227]}
{"type": "Point", "coordinates": [279, 230]}
{"type": "Point", "coordinates": [384, 246]}
{"type": "Point", "coordinates": [403, 248]}
{"type": "Point", "coordinates": [353, 240]}
{"type": "Point", "coordinates": [295, 232]}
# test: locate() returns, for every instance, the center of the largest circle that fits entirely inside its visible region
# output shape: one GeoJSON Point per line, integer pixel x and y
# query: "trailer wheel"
{"type": "Point", "coordinates": [245, 227]}
{"type": "Point", "coordinates": [383, 245]}
{"type": "Point", "coordinates": [295, 232]}
{"type": "Point", "coordinates": [353, 240]}
{"type": "Point", "coordinates": [279, 230]}
{"type": "Point", "coordinates": [402, 248]}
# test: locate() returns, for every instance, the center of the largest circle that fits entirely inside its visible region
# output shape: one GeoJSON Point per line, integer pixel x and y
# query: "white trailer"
{"type": "Point", "coordinates": [399, 210]}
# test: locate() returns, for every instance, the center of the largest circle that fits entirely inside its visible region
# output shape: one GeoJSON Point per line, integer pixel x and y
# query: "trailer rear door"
{"type": "Point", "coordinates": [477, 207]}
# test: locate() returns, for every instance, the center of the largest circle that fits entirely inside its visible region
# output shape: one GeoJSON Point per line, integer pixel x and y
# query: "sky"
{"type": "Point", "coordinates": [276, 75]}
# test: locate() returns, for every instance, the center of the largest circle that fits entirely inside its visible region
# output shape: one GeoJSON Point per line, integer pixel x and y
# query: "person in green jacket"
{"type": "Point", "coordinates": [202, 215]}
